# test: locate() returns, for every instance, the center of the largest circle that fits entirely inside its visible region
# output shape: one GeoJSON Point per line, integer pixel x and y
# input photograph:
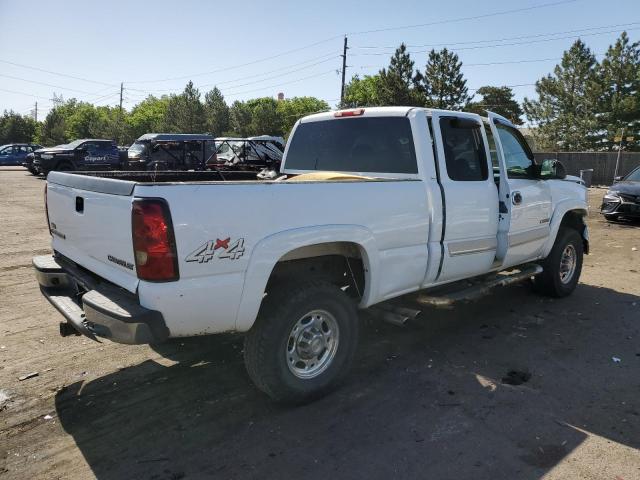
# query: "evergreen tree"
{"type": "Point", "coordinates": [444, 85]}
{"type": "Point", "coordinates": [217, 112]}
{"type": "Point", "coordinates": [564, 112]}
{"type": "Point", "coordinates": [618, 78]}
{"type": "Point", "coordinates": [397, 83]}
{"type": "Point", "coordinates": [185, 112]}
{"type": "Point", "coordinates": [499, 100]}
{"type": "Point", "coordinates": [240, 118]}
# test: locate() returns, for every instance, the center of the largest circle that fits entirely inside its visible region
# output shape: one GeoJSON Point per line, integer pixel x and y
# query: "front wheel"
{"type": "Point", "coordinates": [303, 341]}
{"type": "Point", "coordinates": [561, 269]}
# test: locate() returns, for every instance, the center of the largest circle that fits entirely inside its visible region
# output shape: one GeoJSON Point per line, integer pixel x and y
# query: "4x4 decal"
{"type": "Point", "coordinates": [220, 248]}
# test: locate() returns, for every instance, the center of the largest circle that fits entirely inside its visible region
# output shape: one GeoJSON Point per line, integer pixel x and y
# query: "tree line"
{"type": "Point", "coordinates": [187, 112]}
{"type": "Point", "coordinates": [582, 105]}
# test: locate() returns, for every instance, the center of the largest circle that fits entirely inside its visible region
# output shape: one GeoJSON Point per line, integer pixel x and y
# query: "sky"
{"type": "Point", "coordinates": [248, 48]}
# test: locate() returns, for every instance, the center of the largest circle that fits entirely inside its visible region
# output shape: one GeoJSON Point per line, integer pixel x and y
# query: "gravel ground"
{"type": "Point", "coordinates": [424, 401]}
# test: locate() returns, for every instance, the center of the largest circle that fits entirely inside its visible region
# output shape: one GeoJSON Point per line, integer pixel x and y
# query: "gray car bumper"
{"type": "Point", "coordinates": [96, 308]}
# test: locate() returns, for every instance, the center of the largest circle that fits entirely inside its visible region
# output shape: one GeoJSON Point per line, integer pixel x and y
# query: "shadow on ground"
{"type": "Point", "coordinates": [425, 401]}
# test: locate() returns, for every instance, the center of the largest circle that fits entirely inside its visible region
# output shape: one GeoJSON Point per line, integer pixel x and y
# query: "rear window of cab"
{"type": "Point", "coordinates": [362, 144]}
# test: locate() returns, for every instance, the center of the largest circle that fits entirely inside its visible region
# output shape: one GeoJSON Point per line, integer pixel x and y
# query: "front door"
{"type": "Point", "coordinates": [470, 196]}
{"type": "Point", "coordinates": [525, 198]}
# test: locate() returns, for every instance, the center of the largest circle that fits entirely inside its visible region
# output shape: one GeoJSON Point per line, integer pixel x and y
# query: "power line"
{"type": "Point", "coordinates": [463, 19]}
{"type": "Point", "coordinates": [504, 44]}
{"type": "Point", "coordinates": [234, 67]}
{"type": "Point", "coordinates": [56, 73]}
{"type": "Point", "coordinates": [332, 57]}
{"type": "Point", "coordinates": [45, 84]}
{"type": "Point", "coordinates": [232, 94]}
{"type": "Point", "coordinates": [508, 62]}
{"type": "Point", "coordinates": [508, 38]}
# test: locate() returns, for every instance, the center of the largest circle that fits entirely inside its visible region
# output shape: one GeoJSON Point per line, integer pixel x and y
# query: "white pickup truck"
{"type": "Point", "coordinates": [371, 204]}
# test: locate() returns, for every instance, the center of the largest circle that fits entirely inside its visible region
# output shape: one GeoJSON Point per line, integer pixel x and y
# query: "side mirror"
{"type": "Point", "coordinates": [552, 168]}
{"type": "Point", "coordinates": [618, 178]}
{"type": "Point", "coordinates": [81, 148]}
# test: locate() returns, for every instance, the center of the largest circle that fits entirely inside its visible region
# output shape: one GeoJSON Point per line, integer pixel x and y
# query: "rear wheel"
{"type": "Point", "coordinates": [561, 269]}
{"type": "Point", "coordinates": [303, 341]}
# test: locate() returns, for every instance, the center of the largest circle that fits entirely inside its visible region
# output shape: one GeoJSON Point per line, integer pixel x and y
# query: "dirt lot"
{"type": "Point", "coordinates": [424, 401]}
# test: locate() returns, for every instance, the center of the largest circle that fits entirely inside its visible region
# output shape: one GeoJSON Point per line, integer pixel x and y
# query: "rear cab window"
{"type": "Point", "coordinates": [356, 145]}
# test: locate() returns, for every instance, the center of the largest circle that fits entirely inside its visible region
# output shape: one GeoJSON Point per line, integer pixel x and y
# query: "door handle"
{"type": "Point", "coordinates": [516, 198]}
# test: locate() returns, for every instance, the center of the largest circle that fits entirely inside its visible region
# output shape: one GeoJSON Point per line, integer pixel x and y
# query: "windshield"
{"type": "Point", "coordinates": [373, 144]}
{"type": "Point", "coordinates": [633, 176]}
{"type": "Point", "coordinates": [137, 149]}
{"type": "Point", "coordinates": [74, 144]}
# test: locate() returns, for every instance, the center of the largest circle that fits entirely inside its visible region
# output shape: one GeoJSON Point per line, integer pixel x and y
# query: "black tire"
{"type": "Point", "coordinates": [32, 170]}
{"type": "Point", "coordinates": [611, 218]}
{"type": "Point", "coordinates": [550, 282]}
{"type": "Point", "coordinates": [267, 346]}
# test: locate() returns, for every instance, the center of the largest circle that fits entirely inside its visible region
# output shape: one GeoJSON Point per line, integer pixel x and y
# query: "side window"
{"type": "Point", "coordinates": [493, 150]}
{"type": "Point", "coordinates": [517, 154]}
{"type": "Point", "coordinates": [464, 150]}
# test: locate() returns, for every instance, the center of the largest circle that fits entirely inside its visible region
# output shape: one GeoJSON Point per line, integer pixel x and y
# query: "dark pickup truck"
{"type": "Point", "coordinates": [83, 154]}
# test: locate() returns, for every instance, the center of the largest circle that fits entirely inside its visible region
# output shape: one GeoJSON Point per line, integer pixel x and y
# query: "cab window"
{"type": "Point", "coordinates": [517, 154]}
{"type": "Point", "coordinates": [464, 150]}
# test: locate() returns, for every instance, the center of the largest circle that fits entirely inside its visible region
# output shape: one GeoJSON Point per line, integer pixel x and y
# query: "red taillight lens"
{"type": "Point", "coordinates": [154, 245]}
{"type": "Point", "coordinates": [46, 208]}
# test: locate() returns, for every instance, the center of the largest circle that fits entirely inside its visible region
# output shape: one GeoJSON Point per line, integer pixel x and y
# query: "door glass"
{"type": "Point", "coordinates": [463, 151]}
{"type": "Point", "coordinates": [517, 155]}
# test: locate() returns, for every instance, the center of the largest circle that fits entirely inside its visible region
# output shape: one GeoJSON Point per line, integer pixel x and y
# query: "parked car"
{"type": "Point", "coordinates": [171, 151]}
{"type": "Point", "coordinates": [251, 153]}
{"type": "Point", "coordinates": [623, 197]}
{"type": "Point", "coordinates": [83, 154]}
{"type": "Point", "coordinates": [16, 153]}
{"type": "Point", "coordinates": [374, 203]}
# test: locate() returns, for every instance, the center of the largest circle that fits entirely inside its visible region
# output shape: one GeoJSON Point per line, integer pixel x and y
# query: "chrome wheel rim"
{"type": "Point", "coordinates": [567, 264]}
{"type": "Point", "coordinates": [312, 344]}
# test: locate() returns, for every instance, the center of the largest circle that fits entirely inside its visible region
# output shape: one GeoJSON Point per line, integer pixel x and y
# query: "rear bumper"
{"type": "Point", "coordinates": [97, 309]}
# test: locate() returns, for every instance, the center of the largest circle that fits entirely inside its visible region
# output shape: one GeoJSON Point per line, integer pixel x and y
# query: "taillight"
{"type": "Point", "coordinates": [46, 208]}
{"type": "Point", "coordinates": [154, 244]}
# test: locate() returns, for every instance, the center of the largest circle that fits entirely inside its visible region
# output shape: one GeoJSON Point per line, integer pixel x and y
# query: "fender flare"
{"type": "Point", "coordinates": [562, 208]}
{"type": "Point", "coordinates": [271, 249]}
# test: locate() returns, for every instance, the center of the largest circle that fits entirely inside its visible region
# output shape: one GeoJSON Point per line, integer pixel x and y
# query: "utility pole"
{"type": "Point", "coordinates": [36, 113]}
{"type": "Point", "coordinates": [120, 114]}
{"type": "Point", "coordinates": [618, 156]}
{"type": "Point", "coordinates": [344, 68]}
{"type": "Point", "coordinates": [121, 88]}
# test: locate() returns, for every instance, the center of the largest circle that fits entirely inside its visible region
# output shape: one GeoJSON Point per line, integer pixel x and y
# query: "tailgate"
{"type": "Point", "coordinates": [90, 220]}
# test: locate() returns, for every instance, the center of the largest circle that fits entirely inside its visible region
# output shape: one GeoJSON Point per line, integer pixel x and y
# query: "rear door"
{"type": "Point", "coordinates": [470, 195]}
{"type": "Point", "coordinates": [90, 222]}
{"type": "Point", "coordinates": [525, 199]}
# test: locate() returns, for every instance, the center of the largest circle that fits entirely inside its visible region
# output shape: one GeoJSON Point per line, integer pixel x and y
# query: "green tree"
{"type": "Point", "coordinates": [264, 117]}
{"type": "Point", "coordinates": [618, 80]}
{"type": "Point", "coordinates": [185, 112]}
{"type": "Point", "coordinates": [216, 112]}
{"type": "Point", "coordinates": [397, 83]}
{"type": "Point", "coordinates": [564, 113]}
{"type": "Point", "coordinates": [292, 109]}
{"type": "Point", "coordinates": [240, 118]}
{"type": "Point", "coordinates": [148, 116]}
{"type": "Point", "coordinates": [362, 92]}
{"type": "Point", "coordinates": [17, 128]}
{"type": "Point", "coordinates": [443, 84]}
{"type": "Point", "coordinates": [499, 100]}
{"type": "Point", "coordinates": [54, 127]}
